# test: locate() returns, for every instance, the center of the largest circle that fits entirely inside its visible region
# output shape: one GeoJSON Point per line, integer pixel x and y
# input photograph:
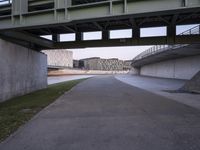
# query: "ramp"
{"type": "Point", "coordinates": [193, 85]}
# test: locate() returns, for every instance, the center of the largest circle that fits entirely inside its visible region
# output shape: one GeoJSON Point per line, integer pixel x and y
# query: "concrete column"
{"type": "Point", "coordinates": [171, 34]}
{"type": "Point", "coordinates": [105, 35]}
{"type": "Point", "coordinates": [56, 37]}
{"type": "Point", "coordinates": [136, 33]}
{"type": "Point", "coordinates": [79, 36]}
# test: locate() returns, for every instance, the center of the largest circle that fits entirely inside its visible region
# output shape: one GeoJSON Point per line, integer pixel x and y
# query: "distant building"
{"type": "Point", "coordinates": [75, 63]}
{"type": "Point", "coordinates": [96, 63]}
{"type": "Point", "coordinates": [127, 65]}
{"type": "Point", "coordinates": [59, 58]}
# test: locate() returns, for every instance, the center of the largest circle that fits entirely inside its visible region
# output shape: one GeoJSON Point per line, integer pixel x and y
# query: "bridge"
{"type": "Point", "coordinates": [101, 112]}
{"type": "Point", "coordinates": [24, 21]}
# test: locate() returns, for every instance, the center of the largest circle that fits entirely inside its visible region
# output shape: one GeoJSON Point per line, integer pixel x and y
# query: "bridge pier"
{"type": "Point", "coordinates": [22, 70]}
{"type": "Point", "coordinates": [56, 37]}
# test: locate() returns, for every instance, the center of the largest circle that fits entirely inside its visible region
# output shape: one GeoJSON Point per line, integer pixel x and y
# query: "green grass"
{"type": "Point", "coordinates": [17, 111]}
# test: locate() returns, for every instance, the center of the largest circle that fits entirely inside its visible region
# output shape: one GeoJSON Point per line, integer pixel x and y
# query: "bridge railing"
{"type": "Point", "coordinates": [160, 48]}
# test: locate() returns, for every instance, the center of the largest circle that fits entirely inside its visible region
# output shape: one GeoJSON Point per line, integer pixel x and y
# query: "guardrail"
{"type": "Point", "coordinates": [160, 48]}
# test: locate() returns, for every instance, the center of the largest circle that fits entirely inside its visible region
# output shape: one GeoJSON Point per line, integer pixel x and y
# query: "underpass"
{"type": "Point", "coordinates": [101, 112]}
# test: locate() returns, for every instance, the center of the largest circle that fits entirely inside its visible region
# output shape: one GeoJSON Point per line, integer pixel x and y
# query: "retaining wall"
{"type": "Point", "coordinates": [183, 68]}
{"type": "Point", "coordinates": [22, 70]}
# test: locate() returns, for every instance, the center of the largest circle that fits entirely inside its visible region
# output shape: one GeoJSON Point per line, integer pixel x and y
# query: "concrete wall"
{"type": "Point", "coordinates": [59, 58]}
{"type": "Point", "coordinates": [21, 70]}
{"type": "Point", "coordinates": [183, 68]}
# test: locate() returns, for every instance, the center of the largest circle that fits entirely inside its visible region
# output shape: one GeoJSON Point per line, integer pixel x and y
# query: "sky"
{"type": "Point", "coordinates": [123, 53]}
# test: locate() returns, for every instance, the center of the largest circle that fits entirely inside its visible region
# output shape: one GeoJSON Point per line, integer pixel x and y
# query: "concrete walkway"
{"type": "Point", "coordinates": [103, 113]}
{"type": "Point", "coordinates": [160, 86]}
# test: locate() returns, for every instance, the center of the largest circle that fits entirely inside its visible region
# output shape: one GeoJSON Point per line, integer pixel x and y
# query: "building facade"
{"type": "Point", "coordinates": [59, 58]}
{"type": "Point", "coordinates": [127, 65]}
{"type": "Point", "coordinates": [96, 63]}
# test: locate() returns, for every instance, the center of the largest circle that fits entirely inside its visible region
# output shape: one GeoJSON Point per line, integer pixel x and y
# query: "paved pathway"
{"type": "Point", "coordinates": [103, 113]}
{"type": "Point", "coordinates": [160, 86]}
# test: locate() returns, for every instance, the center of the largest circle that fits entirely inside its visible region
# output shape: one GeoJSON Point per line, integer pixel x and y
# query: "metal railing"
{"type": "Point", "coordinates": [160, 48]}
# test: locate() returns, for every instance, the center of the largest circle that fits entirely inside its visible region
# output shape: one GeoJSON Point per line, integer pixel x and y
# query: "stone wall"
{"type": "Point", "coordinates": [22, 70]}
{"type": "Point", "coordinates": [59, 58]}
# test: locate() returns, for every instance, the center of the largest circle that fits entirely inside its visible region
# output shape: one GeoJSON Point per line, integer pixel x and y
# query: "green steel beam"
{"type": "Point", "coordinates": [63, 12]}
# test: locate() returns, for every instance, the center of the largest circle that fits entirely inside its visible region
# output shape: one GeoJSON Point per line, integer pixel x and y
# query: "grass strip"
{"type": "Point", "coordinates": [17, 111]}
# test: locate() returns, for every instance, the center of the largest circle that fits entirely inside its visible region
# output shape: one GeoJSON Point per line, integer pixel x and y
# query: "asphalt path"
{"type": "Point", "coordinates": [103, 113]}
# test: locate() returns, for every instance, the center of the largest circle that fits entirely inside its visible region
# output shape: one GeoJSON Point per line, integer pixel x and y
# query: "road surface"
{"type": "Point", "coordinates": [103, 113]}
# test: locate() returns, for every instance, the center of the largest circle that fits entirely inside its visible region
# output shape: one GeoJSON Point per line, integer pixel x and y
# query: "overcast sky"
{"type": "Point", "coordinates": [124, 53]}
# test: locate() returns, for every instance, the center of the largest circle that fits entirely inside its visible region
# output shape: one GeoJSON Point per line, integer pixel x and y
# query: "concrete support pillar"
{"type": "Point", "coordinates": [22, 70]}
{"type": "Point", "coordinates": [171, 34]}
{"type": "Point", "coordinates": [105, 35]}
{"type": "Point", "coordinates": [79, 36]}
{"type": "Point", "coordinates": [56, 37]}
{"type": "Point", "coordinates": [136, 33]}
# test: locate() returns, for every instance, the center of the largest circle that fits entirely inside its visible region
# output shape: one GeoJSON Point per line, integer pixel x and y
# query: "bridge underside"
{"type": "Point", "coordinates": [24, 25]}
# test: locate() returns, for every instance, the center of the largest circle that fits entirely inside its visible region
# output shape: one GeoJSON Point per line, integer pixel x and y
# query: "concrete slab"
{"type": "Point", "coordinates": [103, 113]}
